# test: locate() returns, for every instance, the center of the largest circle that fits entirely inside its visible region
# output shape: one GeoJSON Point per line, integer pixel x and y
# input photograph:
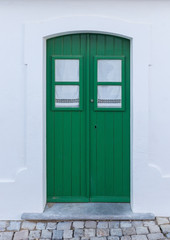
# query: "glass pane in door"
{"type": "Point", "coordinates": [66, 70]}
{"type": "Point", "coordinates": [109, 96]}
{"type": "Point", "coordinates": [109, 70]}
{"type": "Point", "coordinates": [66, 96]}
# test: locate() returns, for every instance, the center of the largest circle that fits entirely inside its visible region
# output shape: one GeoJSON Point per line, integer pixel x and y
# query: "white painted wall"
{"type": "Point", "coordinates": [24, 26]}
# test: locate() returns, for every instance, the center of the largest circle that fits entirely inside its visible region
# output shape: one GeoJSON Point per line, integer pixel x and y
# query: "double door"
{"type": "Point", "coordinates": [88, 118]}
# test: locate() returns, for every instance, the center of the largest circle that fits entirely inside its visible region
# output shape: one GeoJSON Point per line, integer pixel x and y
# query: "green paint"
{"type": "Point", "coordinates": [85, 163]}
{"type": "Point", "coordinates": [122, 83]}
{"type": "Point", "coordinates": [80, 58]}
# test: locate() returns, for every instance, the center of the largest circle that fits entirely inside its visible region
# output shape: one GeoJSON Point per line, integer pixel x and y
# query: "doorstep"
{"type": "Point", "coordinates": [87, 211]}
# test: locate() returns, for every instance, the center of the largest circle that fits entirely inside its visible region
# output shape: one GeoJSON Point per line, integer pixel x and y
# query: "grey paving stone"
{"type": "Point", "coordinates": [78, 232]}
{"type": "Point", "coordinates": [129, 231]}
{"type": "Point", "coordinates": [46, 234]}
{"type": "Point", "coordinates": [114, 224]}
{"type": "Point", "coordinates": [139, 237]}
{"type": "Point", "coordinates": [89, 232]}
{"type": "Point", "coordinates": [148, 223]}
{"type": "Point", "coordinates": [21, 235]}
{"type": "Point", "coordinates": [165, 228]}
{"type": "Point", "coordinates": [102, 232]}
{"type": "Point", "coordinates": [125, 224]}
{"type": "Point", "coordinates": [34, 234]}
{"type": "Point", "coordinates": [98, 238]}
{"type": "Point", "coordinates": [154, 229]}
{"type": "Point", "coordinates": [44, 239]}
{"type": "Point", "coordinates": [64, 225]}
{"type": "Point", "coordinates": [126, 238]}
{"type": "Point", "coordinates": [114, 238]}
{"type": "Point", "coordinates": [68, 233]}
{"type": "Point", "coordinates": [74, 238]}
{"type": "Point", "coordinates": [137, 223]}
{"type": "Point", "coordinates": [14, 226]}
{"type": "Point", "coordinates": [3, 225]}
{"type": "Point", "coordinates": [51, 225]}
{"type": "Point", "coordinates": [90, 224]}
{"type": "Point", "coordinates": [116, 232]}
{"type": "Point", "coordinates": [57, 234]}
{"type": "Point", "coordinates": [162, 220]}
{"type": "Point", "coordinates": [142, 230]}
{"type": "Point", "coordinates": [168, 235]}
{"type": "Point", "coordinates": [84, 238]}
{"type": "Point", "coordinates": [41, 225]}
{"type": "Point", "coordinates": [78, 224]}
{"type": "Point", "coordinates": [6, 235]}
{"type": "Point", "coordinates": [102, 225]}
{"type": "Point", "coordinates": [155, 236]}
{"type": "Point", "coordinates": [28, 225]}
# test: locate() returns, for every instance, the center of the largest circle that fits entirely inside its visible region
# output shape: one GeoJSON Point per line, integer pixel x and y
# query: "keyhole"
{"type": "Point", "coordinates": [95, 126]}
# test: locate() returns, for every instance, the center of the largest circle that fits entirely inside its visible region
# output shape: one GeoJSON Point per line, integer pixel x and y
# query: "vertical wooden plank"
{"type": "Point", "coordinates": [109, 129]}
{"type": "Point", "coordinates": [76, 133]}
{"type": "Point", "coordinates": [118, 183]}
{"type": "Point", "coordinates": [67, 153]}
{"type": "Point", "coordinates": [118, 136]}
{"type": "Point", "coordinates": [58, 154]}
{"type": "Point", "coordinates": [101, 135]}
{"type": "Point", "coordinates": [87, 117]}
{"type": "Point", "coordinates": [109, 149]}
{"type": "Point", "coordinates": [93, 135]}
{"type": "Point", "coordinates": [67, 133]}
{"type": "Point", "coordinates": [109, 46]}
{"type": "Point", "coordinates": [49, 122]}
{"type": "Point", "coordinates": [82, 125]}
{"type": "Point", "coordinates": [58, 135]}
{"type": "Point", "coordinates": [101, 160]}
{"type": "Point", "coordinates": [126, 124]}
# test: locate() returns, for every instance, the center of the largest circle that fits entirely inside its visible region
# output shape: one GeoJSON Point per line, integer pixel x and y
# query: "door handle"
{"type": "Point", "coordinates": [91, 100]}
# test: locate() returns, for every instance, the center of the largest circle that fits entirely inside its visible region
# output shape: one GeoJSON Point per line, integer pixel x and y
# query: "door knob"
{"type": "Point", "coordinates": [91, 100]}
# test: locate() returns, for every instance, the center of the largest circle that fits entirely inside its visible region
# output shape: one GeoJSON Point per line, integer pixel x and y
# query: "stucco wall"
{"type": "Point", "coordinates": [24, 27]}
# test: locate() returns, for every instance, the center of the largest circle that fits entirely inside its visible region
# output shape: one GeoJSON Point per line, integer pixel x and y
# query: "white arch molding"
{"type": "Point", "coordinates": [36, 35]}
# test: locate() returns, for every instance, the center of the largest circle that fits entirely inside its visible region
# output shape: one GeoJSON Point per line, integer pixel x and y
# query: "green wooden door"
{"type": "Point", "coordinates": [88, 118]}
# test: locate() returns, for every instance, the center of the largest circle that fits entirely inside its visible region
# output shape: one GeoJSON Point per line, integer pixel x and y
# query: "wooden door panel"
{"type": "Point", "coordinates": [88, 149]}
{"type": "Point", "coordinates": [110, 140]}
{"type": "Point", "coordinates": [66, 130]}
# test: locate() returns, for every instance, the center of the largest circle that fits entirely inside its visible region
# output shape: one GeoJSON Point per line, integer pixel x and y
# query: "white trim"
{"type": "Point", "coordinates": [34, 55]}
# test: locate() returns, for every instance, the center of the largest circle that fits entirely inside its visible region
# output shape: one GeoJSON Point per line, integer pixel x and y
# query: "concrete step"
{"type": "Point", "coordinates": [88, 211]}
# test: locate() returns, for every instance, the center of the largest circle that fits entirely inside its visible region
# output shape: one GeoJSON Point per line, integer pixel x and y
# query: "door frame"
{"type": "Point", "coordinates": [35, 60]}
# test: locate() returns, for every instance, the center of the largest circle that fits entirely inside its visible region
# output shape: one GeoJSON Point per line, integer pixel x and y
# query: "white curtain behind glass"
{"type": "Point", "coordinates": [109, 71]}
{"type": "Point", "coordinates": [66, 70]}
{"type": "Point", "coordinates": [109, 96]}
{"type": "Point", "coordinates": [66, 96]}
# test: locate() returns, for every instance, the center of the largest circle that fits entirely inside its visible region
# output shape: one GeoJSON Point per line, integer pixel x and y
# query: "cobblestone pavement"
{"type": "Point", "coordinates": [86, 230]}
